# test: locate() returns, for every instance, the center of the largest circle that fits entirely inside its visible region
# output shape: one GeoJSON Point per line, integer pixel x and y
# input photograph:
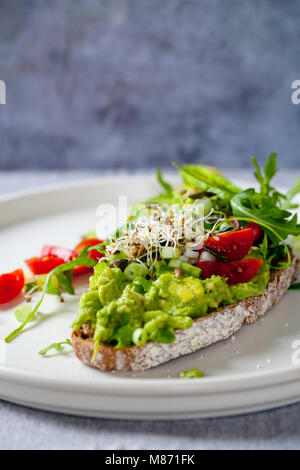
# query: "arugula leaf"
{"type": "Point", "coordinates": [277, 222]}
{"type": "Point", "coordinates": [264, 246]}
{"type": "Point", "coordinates": [81, 260]}
{"type": "Point", "coordinates": [270, 170]}
{"type": "Point", "coordinates": [287, 203]}
{"type": "Point", "coordinates": [54, 291]}
{"type": "Point", "coordinates": [57, 346]}
{"type": "Point", "coordinates": [270, 167]}
{"type": "Point", "coordinates": [65, 281]}
{"type": "Point", "coordinates": [167, 187]}
{"type": "Point", "coordinates": [208, 180]}
{"type": "Point", "coordinates": [100, 247]}
{"type": "Point", "coordinates": [294, 190]}
{"type": "Point", "coordinates": [170, 196]}
{"type": "Point", "coordinates": [257, 173]}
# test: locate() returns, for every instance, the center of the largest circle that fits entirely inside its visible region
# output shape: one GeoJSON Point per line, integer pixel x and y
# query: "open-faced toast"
{"type": "Point", "coordinates": [216, 326]}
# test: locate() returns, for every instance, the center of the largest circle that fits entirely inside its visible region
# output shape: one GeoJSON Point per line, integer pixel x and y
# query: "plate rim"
{"type": "Point", "coordinates": [233, 382]}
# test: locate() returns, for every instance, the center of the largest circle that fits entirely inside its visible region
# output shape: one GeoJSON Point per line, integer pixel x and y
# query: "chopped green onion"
{"type": "Point", "coordinates": [191, 374]}
{"type": "Point", "coordinates": [190, 269]}
{"type": "Point", "coordinates": [134, 270]}
{"type": "Point", "coordinates": [139, 337]}
{"type": "Point", "coordinates": [169, 252]}
{"type": "Point", "coordinates": [174, 263]}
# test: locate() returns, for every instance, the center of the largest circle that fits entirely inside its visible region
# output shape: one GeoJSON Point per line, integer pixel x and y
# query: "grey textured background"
{"type": "Point", "coordinates": [140, 83]}
{"type": "Point", "coordinates": [27, 429]}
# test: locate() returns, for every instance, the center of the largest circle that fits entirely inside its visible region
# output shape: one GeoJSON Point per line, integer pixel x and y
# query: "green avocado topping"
{"type": "Point", "coordinates": [124, 312]}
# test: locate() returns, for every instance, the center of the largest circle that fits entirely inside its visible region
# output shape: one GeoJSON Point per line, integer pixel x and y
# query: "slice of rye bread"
{"type": "Point", "coordinates": [216, 326]}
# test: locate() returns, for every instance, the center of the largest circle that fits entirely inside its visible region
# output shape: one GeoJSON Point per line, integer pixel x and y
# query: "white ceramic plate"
{"type": "Point", "coordinates": [253, 371]}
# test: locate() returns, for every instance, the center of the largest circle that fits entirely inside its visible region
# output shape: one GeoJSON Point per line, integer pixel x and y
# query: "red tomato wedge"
{"type": "Point", "coordinates": [94, 254]}
{"type": "Point", "coordinates": [81, 270]}
{"type": "Point", "coordinates": [235, 271]}
{"type": "Point", "coordinates": [11, 285]}
{"type": "Point", "coordinates": [43, 264]}
{"type": "Point", "coordinates": [59, 252]}
{"type": "Point", "coordinates": [232, 245]}
{"type": "Point", "coordinates": [53, 256]}
{"type": "Point", "coordinates": [257, 230]}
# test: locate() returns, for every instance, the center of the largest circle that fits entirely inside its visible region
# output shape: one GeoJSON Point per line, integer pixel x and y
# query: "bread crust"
{"type": "Point", "coordinates": [214, 327]}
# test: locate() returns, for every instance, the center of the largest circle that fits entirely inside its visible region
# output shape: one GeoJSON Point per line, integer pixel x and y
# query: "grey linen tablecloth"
{"type": "Point", "coordinates": [25, 428]}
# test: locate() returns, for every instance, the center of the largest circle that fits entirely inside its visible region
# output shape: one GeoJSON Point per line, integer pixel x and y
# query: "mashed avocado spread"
{"type": "Point", "coordinates": [124, 313]}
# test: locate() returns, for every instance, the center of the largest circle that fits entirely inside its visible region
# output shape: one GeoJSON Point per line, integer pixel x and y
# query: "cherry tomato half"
{"type": "Point", "coordinates": [94, 254]}
{"type": "Point", "coordinates": [43, 264]}
{"type": "Point", "coordinates": [235, 271]}
{"type": "Point", "coordinates": [257, 230]}
{"type": "Point", "coordinates": [11, 285]}
{"type": "Point", "coordinates": [232, 245]}
{"type": "Point", "coordinates": [59, 252]}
